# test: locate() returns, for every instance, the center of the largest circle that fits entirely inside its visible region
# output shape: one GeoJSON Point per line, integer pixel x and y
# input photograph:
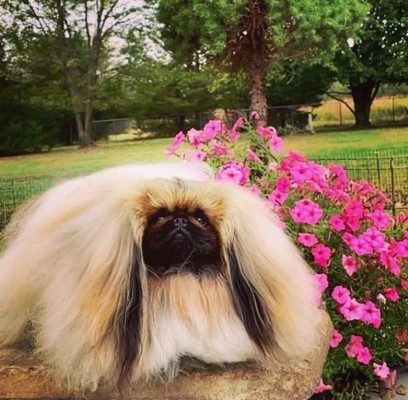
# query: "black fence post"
{"type": "Point", "coordinates": [393, 187]}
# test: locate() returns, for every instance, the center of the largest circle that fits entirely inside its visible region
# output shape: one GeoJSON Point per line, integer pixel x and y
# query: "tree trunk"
{"type": "Point", "coordinates": [363, 95]}
{"type": "Point", "coordinates": [257, 74]}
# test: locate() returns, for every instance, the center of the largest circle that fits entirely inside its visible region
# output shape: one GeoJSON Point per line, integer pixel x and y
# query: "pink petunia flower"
{"type": "Point", "coordinates": [402, 248]}
{"type": "Point", "coordinates": [354, 346]}
{"type": "Point", "coordinates": [211, 129]}
{"type": "Point", "coordinates": [276, 144]}
{"type": "Point", "coordinates": [360, 246]}
{"type": "Point", "coordinates": [351, 310]}
{"type": "Point", "coordinates": [218, 148]}
{"type": "Point", "coordinates": [307, 212]}
{"type": "Point", "coordinates": [255, 189]}
{"type": "Point", "coordinates": [321, 254]}
{"type": "Point", "coordinates": [336, 339]}
{"type": "Point", "coordinates": [350, 264]}
{"type": "Point", "coordinates": [267, 133]}
{"type": "Point", "coordinates": [300, 172]}
{"type": "Point", "coordinates": [307, 239]}
{"type": "Point", "coordinates": [322, 387]}
{"type": "Point", "coordinates": [364, 356]}
{"type": "Point", "coordinates": [341, 294]}
{"type": "Point", "coordinates": [390, 263]}
{"type": "Point", "coordinates": [198, 156]}
{"type": "Point", "coordinates": [233, 172]}
{"type": "Point", "coordinates": [380, 219]}
{"type": "Point", "coordinates": [381, 370]}
{"type": "Point", "coordinates": [322, 281]}
{"type": "Point", "coordinates": [336, 223]}
{"type": "Point", "coordinates": [277, 197]}
{"type": "Point", "coordinates": [195, 137]}
{"type": "Point", "coordinates": [251, 156]}
{"type": "Point", "coordinates": [391, 294]}
{"type": "Point", "coordinates": [375, 239]}
{"type": "Point", "coordinates": [371, 314]}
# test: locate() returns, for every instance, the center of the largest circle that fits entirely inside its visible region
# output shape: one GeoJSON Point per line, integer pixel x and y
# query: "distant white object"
{"type": "Point", "coordinates": [350, 42]}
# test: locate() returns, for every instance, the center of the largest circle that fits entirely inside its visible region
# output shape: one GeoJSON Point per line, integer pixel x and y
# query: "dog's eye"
{"type": "Point", "coordinates": [200, 217]}
{"type": "Point", "coordinates": [161, 215]}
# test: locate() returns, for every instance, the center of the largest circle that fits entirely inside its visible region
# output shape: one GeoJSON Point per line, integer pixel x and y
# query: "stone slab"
{"type": "Point", "coordinates": [23, 376]}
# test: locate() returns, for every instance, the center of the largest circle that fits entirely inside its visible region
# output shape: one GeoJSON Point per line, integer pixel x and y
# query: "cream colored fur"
{"type": "Point", "coordinates": [66, 267]}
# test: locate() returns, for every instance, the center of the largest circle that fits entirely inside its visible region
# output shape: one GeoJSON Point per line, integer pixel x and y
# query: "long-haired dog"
{"type": "Point", "coordinates": [126, 271]}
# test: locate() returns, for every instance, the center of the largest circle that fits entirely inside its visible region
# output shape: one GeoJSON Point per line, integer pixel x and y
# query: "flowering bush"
{"type": "Point", "coordinates": [358, 251]}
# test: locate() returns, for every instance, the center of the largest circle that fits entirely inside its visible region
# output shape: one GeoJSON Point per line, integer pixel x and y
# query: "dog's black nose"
{"type": "Point", "coordinates": [180, 222]}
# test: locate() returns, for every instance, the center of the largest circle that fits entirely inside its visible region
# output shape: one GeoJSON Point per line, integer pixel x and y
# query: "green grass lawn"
{"type": "Point", "coordinates": [72, 161]}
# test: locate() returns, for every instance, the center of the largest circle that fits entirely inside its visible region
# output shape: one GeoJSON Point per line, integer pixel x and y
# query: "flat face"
{"type": "Point", "coordinates": [182, 223]}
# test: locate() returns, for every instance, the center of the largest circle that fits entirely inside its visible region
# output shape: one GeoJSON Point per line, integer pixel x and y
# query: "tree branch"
{"type": "Point", "coordinates": [88, 33]}
{"type": "Point", "coordinates": [374, 93]}
{"type": "Point", "coordinates": [341, 101]}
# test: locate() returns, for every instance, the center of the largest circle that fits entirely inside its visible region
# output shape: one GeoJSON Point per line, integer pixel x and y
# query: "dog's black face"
{"type": "Point", "coordinates": [181, 241]}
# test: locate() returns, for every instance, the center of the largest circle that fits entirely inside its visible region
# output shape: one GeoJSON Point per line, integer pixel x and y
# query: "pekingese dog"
{"type": "Point", "coordinates": [126, 271]}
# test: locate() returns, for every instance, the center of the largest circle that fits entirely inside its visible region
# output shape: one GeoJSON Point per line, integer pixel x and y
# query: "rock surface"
{"type": "Point", "coordinates": [22, 376]}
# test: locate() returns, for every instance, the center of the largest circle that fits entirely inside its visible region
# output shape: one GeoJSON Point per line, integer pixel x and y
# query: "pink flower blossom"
{"type": "Point", "coordinates": [364, 356]}
{"type": "Point", "coordinates": [283, 184]}
{"type": "Point", "coordinates": [255, 189]}
{"type": "Point", "coordinates": [402, 248]}
{"type": "Point", "coordinates": [390, 263]}
{"type": "Point", "coordinates": [322, 281]}
{"type": "Point", "coordinates": [255, 115]}
{"type": "Point", "coordinates": [307, 212]}
{"type": "Point", "coordinates": [198, 156]}
{"type": "Point", "coordinates": [276, 144]}
{"type": "Point", "coordinates": [233, 133]}
{"type": "Point", "coordinates": [277, 197]}
{"type": "Point", "coordinates": [381, 298]}
{"type": "Point", "coordinates": [211, 129]}
{"type": "Point", "coordinates": [341, 294]}
{"type": "Point", "coordinates": [322, 387]}
{"type": "Point", "coordinates": [391, 380]}
{"type": "Point", "coordinates": [404, 284]}
{"type": "Point", "coordinates": [336, 223]}
{"type": "Point", "coordinates": [218, 148]}
{"type": "Point", "coordinates": [360, 246]}
{"type": "Point", "coordinates": [350, 264]}
{"type": "Point", "coordinates": [321, 254]}
{"type": "Point", "coordinates": [307, 239]}
{"type": "Point", "coordinates": [251, 156]}
{"type": "Point", "coordinates": [354, 209]}
{"type": "Point", "coordinates": [301, 172]}
{"type": "Point", "coordinates": [194, 137]}
{"type": "Point", "coordinates": [351, 310]}
{"type": "Point", "coordinates": [375, 238]}
{"type": "Point", "coordinates": [267, 133]}
{"type": "Point", "coordinates": [380, 219]}
{"type": "Point", "coordinates": [347, 238]}
{"type": "Point", "coordinates": [391, 294]}
{"type": "Point", "coordinates": [272, 166]}
{"type": "Point", "coordinates": [354, 346]}
{"type": "Point", "coordinates": [233, 172]}
{"type": "Point", "coordinates": [381, 370]}
{"type": "Point", "coordinates": [336, 339]}
{"type": "Point", "coordinates": [175, 144]}
{"type": "Point", "coordinates": [371, 314]}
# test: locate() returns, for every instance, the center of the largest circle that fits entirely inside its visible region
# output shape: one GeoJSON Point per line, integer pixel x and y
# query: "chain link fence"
{"type": "Point", "coordinates": [386, 172]}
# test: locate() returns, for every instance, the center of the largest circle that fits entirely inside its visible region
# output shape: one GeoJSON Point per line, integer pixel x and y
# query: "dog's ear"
{"type": "Point", "coordinates": [250, 306]}
{"type": "Point", "coordinates": [128, 322]}
{"type": "Point", "coordinates": [273, 289]}
{"type": "Point", "coordinates": [94, 276]}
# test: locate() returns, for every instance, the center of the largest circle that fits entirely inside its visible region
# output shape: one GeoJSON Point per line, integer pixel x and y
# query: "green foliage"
{"type": "Point", "coordinates": [294, 29]}
{"type": "Point", "coordinates": [298, 83]}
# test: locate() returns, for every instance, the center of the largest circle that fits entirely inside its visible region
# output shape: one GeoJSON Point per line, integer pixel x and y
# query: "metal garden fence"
{"type": "Point", "coordinates": [386, 172]}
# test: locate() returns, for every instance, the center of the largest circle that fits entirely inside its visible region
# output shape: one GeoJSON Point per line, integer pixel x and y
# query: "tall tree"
{"type": "Point", "coordinates": [252, 35]}
{"type": "Point", "coordinates": [377, 54]}
{"type": "Point", "coordinates": [75, 35]}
